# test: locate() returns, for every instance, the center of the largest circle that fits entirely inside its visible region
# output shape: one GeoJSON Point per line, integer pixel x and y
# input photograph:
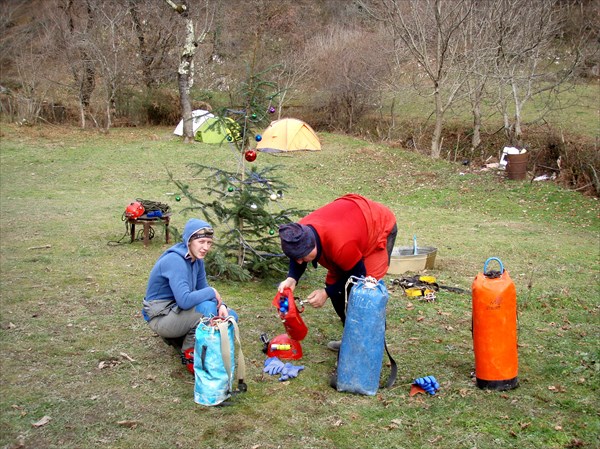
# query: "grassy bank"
{"type": "Point", "coordinates": [75, 349]}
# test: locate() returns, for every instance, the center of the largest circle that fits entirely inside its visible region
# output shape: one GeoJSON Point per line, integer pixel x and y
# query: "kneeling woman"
{"type": "Point", "coordinates": [178, 295]}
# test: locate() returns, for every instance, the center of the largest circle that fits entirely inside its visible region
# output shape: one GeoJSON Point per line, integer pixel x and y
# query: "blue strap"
{"type": "Point", "coordinates": [497, 260]}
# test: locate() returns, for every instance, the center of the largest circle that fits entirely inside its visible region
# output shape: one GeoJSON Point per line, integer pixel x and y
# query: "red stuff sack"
{"type": "Point", "coordinates": [290, 315]}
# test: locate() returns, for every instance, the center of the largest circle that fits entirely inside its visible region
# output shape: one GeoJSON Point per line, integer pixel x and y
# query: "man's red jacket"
{"type": "Point", "coordinates": [352, 228]}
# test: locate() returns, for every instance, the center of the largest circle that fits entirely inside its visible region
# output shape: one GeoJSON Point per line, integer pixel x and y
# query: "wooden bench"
{"type": "Point", "coordinates": [148, 223]}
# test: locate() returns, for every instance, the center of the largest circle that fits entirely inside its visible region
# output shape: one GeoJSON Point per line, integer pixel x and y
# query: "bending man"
{"type": "Point", "coordinates": [351, 236]}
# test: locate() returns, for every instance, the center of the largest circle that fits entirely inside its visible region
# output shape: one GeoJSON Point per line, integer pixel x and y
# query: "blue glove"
{"type": "Point", "coordinates": [273, 366]}
{"type": "Point", "coordinates": [290, 371]}
{"type": "Point", "coordinates": [428, 383]}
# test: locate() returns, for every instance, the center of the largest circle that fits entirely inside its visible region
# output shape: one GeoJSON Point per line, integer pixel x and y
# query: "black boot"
{"type": "Point", "coordinates": [175, 342]}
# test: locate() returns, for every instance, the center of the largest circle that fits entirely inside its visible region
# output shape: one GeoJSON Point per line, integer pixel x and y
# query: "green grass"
{"type": "Point", "coordinates": [70, 300]}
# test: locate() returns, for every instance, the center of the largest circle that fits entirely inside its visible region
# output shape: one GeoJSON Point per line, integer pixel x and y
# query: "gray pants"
{"type": "Point", "coordinates": [183, 323]}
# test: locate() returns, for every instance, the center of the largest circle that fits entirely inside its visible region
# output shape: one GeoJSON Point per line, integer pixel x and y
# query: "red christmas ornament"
{"type": "Point", "coordinates": [250, 155]}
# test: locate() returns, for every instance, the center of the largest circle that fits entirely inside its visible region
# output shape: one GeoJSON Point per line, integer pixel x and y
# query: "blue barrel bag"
{"type": "Point", "coordinates": [363, 340]}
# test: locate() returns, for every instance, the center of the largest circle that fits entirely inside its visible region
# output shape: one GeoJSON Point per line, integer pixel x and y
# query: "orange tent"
{"type": "Point", "coordinates": [288, 134]}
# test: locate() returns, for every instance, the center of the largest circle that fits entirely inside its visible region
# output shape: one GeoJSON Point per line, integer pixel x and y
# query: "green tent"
{"type": "Point", "coordinates": [218, 130]}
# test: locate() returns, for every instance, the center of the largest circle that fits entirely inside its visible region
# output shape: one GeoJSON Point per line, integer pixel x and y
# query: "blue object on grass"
{"type": "Point", "coordinates": [290, 371]}
{"type": "Point", "coordinates": [273, 366]}
{"type": "Point", "coordinates": [428, 383]}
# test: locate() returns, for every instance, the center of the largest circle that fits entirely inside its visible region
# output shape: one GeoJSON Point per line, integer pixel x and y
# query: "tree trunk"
{"type": "Point", "coordinates": [146, 56]}
{"type": "Point", "coordinates": [517, 125]}
{"type": "Point", "coordinates": [185, 78]}
{"type": "Point", "coordinates": [183, 81]}
{"type": "Point", "coordinates": [436, 146]}
{"type": "Point", "coordinates": [88, 84]}
{"type": "Point", "coordinates": [185, 73]}
{"type": "Point", "coordinates": [476, 137]}
{"type": "Point", "coordinates": [86, 80]}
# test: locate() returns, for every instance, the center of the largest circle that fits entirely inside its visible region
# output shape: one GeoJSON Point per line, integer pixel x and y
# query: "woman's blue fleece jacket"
{"type": "Point", "coordinates": [175, 278]}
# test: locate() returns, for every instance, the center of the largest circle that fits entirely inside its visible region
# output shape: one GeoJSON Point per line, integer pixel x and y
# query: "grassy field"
{"type": "Point", "coordinates": [81, 369]}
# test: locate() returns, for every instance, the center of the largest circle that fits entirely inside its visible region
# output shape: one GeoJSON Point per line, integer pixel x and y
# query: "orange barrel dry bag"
{"type": "Point", "coordinates": [495, 329]}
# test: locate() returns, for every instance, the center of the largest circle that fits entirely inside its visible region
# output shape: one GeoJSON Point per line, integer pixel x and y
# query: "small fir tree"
{"type": "Point", "coordinates": [248, 210]}
{"type": "Point", "coordinates": [243, 202]}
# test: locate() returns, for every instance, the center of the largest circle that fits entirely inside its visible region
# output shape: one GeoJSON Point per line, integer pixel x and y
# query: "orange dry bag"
{"type": "Point", "coordinates": [495, 329]}
{"type": "Point", "coordinates": [290, 315]}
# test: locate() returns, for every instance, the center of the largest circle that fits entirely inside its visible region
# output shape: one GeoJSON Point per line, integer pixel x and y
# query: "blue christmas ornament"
{"type": "Point", "coordinates": [284, 306]}
{"type": "Point", "coordinates": [258, 138]}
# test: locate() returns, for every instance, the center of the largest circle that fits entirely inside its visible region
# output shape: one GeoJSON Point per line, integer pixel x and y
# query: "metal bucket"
{"type": "Point", "coordinates": [404, 259]}
{"type": "Point", "coordinates": [516, 167]}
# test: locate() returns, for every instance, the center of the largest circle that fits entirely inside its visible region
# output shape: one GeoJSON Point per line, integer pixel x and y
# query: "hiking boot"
{"type": "Point", "coordinates": [334, 345]}
{"type": "Point", "coordinates": [175, 342]}
{"type": "Point", "coordinates": [333, 379]}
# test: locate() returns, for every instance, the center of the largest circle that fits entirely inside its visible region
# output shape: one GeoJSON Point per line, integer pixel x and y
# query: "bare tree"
{"type": "Point", "coordinates": [155, 35]}
{"type": "Point", "coordinates": [82, 65]}
{"type": "Point", "coordinates": [98, 47]}
{"type": "Point", "coordinates": [429, 29]}
{"type": "Point", "coordinates": [582, 30]}
{"type": "Point", "coordinates": [26, 92]}
{"type": "Point", "coordinates": [185, 72]}
{"type": "Point", "coordinates": [99, 54]}
{"type": "Point", "coordinates": [479, 51]}
{"type": "Point", "coordinates": [90, 39]}
{"type": "Point", "coordinates": [289, 75]}
{"type": "Point", "coordinates": [527, 63]}
{"type": "Point", "coordinates": [110, 50]}
{"type": "Point", "coordinates": [275, 33]}
{"type": "Point", "coordinates": [346, 69]}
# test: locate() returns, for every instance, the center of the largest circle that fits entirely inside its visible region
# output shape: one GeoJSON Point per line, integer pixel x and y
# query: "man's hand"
{"type": "Point", "coordinates": [288, 283]}
{"type": "Point", "coordinates": [223, 311]}
{"type": "Point", "coordinates": [218, 298]}
{"type": "Point", "coordinates": [317, 298]}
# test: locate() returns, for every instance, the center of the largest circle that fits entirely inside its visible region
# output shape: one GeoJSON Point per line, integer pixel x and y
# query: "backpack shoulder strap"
{"type": "Point", "coordinates": [241, 362]}
{"type": "Point", "coordinates": [223, 326]}
{"type": "Point", "coordinates": [394, 368]}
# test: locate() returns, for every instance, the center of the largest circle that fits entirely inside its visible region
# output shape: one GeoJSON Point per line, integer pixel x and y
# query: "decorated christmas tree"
{"type": "Point", "coordinates": [246, 203]}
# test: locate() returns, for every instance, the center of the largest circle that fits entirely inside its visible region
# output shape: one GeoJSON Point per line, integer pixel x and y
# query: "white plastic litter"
{"type": "Point", "coordinates": [545, 177]}
{"type": "Point", "coordinates": [509, 150]}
